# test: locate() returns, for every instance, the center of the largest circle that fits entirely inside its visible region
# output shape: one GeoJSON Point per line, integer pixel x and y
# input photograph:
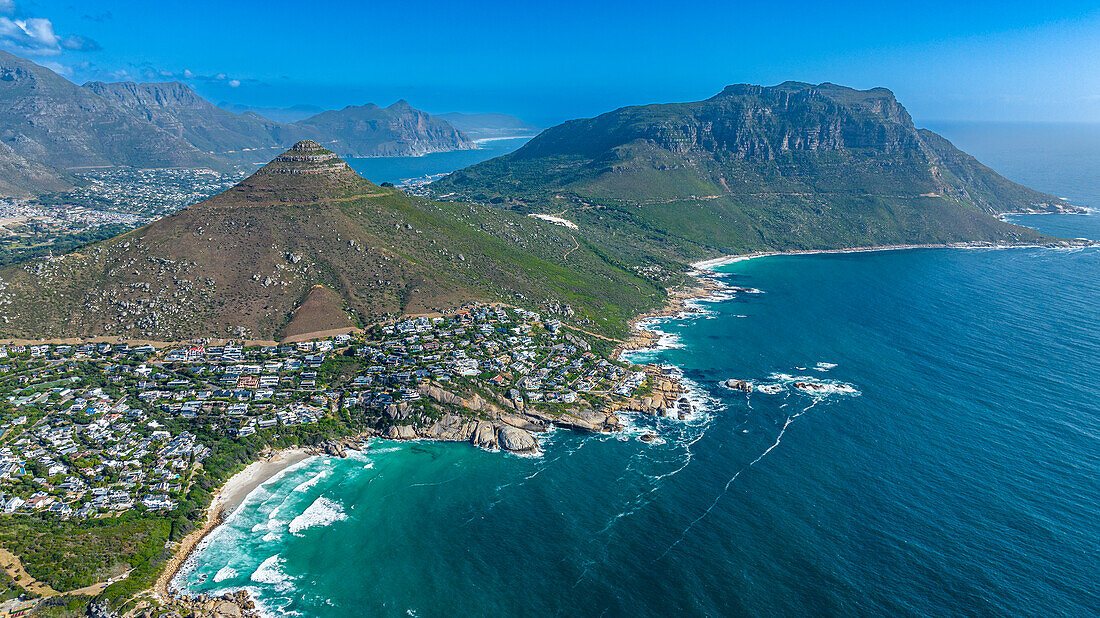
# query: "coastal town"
{"type": "Point", "coordinates": [152, 193]}
{"type": "Point", "coordinates": [98, 429]}
{"type": "Point", "coordinates": [103, 203]}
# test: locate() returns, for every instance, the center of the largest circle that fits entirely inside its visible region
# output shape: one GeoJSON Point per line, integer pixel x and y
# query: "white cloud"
{"type": "Point", "coordinates": [35, 35]}
{"type": "Point", "coordinates": [233, 83]}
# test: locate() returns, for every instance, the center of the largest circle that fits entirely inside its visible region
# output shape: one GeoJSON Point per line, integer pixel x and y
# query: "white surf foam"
{"type": "Point", "coordinates": [270, 572]}
{"type": "Point", "coordinates": [321, 513]}
{"type": "Point", "coordinates": [224, 573]}
{"type": "Point", "coordinates": [814, 385]}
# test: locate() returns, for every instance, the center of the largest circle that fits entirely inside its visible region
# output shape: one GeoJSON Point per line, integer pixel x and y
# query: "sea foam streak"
{"type": "Point", "coordinates": [304, 486]}
{"type": "Point", "coordinates": [270, 572]}
{"type": "Point", "coordinates": [321, 513]}
{"type": "Point", "coordinates": [224, 573]}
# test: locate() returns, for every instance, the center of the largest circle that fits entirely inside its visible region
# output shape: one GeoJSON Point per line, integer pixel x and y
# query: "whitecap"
{"type": "Point", "coordinates": [224, 573]}
{"type": "Point", "coordinates": [270, 572]}
{"type": "Point", "coordinates": [321, 513]}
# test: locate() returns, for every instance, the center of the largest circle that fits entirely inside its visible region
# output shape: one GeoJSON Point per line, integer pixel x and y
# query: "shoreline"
{"type": "Point", "coordinates": [712, 263]}
{"type": "Point", "coordinates": [225, 501]}
{"type": "Point", "coordinates": [703, 285]}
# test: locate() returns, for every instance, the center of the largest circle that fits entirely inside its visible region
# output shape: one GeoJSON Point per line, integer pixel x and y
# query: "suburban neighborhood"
{"type": "Point", "coordinates": [99, 429]}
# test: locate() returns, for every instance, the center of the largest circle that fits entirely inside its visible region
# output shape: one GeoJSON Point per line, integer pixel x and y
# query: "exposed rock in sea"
{"type": "Point", "coordinates": [739, 385]}
{"type": "Point", "coordinates": [517, 440]}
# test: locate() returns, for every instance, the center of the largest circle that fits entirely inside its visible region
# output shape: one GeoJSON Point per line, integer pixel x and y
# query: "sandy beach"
{"type": "Point", "coordinates": [224, 502]}
{"type": "Point", "coordinates": [731, 259]}
{"type": "Point", "coordinates": [237, 488]}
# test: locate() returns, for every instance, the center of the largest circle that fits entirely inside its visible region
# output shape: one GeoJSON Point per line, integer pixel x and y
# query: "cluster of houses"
{"type": "Point", "coordinates": [150, 192]}
{"type": "Point", "coordinates": [97, 429]}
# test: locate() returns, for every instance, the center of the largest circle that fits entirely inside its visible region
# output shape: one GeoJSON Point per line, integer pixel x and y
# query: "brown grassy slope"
{"type": "Point", "coordinates": [322, 310]}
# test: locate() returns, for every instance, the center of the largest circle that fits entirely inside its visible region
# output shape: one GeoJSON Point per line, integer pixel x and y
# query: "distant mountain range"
{"type": "Point", "coordinates": [50, 127]}
{"type": "Point", "coordinates": [292, 113]}
{"type": "Point", "coordinates": [793, 166]}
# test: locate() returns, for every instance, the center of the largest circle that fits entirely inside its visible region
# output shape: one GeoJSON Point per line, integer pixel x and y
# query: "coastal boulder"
{"type": "Point", "coordinates": [401, 432]}
{"type": "Point", "coordinates": [523, 422]}
{"type": "Point", "coordinates": [484, 435]}
{"type": "Point", "coordinates": [451, 427]}
{"type": "Point", "coordinates": [517, 440]}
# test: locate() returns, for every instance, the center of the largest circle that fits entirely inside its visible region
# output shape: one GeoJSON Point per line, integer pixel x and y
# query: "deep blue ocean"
{"type": "Point", "coordinates": [951, 467]}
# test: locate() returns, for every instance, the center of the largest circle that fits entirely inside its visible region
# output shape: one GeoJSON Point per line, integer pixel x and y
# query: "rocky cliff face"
{"type": "Point", "coordinates": [176, 109]}
{"type": "Point", "coordinates": [753, 122]}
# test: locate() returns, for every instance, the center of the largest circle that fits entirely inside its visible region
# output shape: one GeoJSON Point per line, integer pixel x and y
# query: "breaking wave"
{"type": "Point", "coordinates": [270, 572]}
{"type": "Point", "coordinates": [321, 513]}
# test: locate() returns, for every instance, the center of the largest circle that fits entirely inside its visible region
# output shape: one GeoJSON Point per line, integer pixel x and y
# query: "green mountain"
{"type": "Point", "coordinates": [793, 166]}
{"type": "Point", "coordinates": [249, 261]}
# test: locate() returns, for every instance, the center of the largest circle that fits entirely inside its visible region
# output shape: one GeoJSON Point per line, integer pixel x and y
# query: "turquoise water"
{"type": "Point", "coordinates": [400, 169]}
{"type": "Point", "coordinates": [951, 467]}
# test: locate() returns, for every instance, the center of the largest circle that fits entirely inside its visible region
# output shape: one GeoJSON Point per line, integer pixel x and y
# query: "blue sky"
{"type": "Point", "coordinates": [549, 61]}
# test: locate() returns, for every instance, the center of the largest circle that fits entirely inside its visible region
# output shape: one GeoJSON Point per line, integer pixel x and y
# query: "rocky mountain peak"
{"type": "Point", "coordinates": [307, 172]}
{"type": "Point", "coordinates": [307, 157]}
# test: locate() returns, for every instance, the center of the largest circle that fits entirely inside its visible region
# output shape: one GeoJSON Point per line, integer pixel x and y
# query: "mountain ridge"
{"type": "Point", "coordinates": [754, 168]}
